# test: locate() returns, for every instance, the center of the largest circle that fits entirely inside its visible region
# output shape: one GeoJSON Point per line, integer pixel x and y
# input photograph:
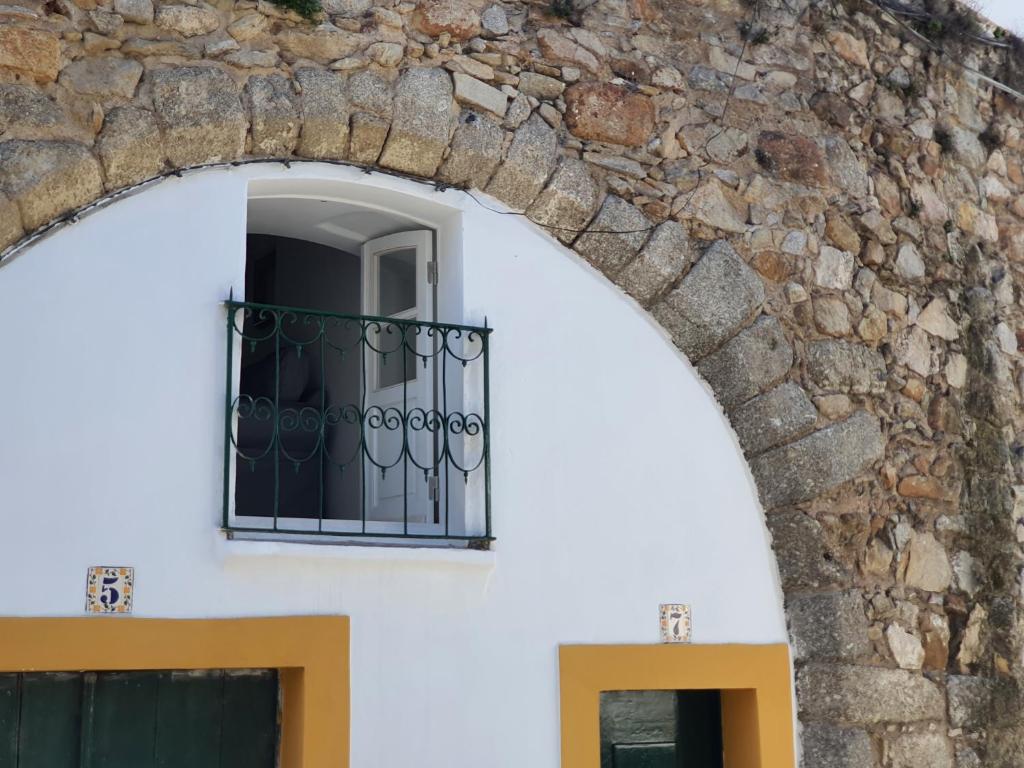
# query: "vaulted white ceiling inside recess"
{"type": "Point", "coordinates": [341, 225]}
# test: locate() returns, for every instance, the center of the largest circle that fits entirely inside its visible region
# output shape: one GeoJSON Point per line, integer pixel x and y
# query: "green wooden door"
{"type": "Point", "coordinates": [661, 729]}
{"type": "Point", "coordinates": [194, 719]}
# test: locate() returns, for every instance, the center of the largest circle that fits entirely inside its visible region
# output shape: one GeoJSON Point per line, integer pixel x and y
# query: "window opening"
{"type": "Point", "coordinates": [349, 415]}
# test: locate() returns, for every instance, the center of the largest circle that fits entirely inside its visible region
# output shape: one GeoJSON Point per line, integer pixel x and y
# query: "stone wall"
{"type": "Point", "coordinates": [825, 216]}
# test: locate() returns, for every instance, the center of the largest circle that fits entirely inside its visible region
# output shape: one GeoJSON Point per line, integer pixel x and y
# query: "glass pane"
{"type": "Point", "coordinates": [396, 281]}
{"type": "Point", "coordinates": [390, 370]}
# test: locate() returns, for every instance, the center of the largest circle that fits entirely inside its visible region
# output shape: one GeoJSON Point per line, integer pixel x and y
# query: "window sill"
{"type": "Point", "coordinates": [242, 547]}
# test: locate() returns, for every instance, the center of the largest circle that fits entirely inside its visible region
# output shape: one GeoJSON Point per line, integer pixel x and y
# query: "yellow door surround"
{"type": "Point", "coordinates": [311, 652]}
{"type": "Point", "coordinates": [757, 704]}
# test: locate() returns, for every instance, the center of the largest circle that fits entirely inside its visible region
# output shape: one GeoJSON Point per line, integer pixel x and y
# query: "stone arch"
{"type": "Point", "coordinates": [565, 169]}
{"type": "Point", "coordinates": [708, 298]}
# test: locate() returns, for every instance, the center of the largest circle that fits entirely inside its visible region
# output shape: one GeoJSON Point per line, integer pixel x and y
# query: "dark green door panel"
{"type": "Point", "coordinates": [644, 755]}
{"type": "Point", "coordinates": [50, 722]}
{"type": "Point", "coordinates": [124, 720]}
{"type": "Point", "coordinates": [188, 731]}
{"type": "Point", "coordinates": [10, 701]}
{"type": "Point", "coordinates": [661, 729]}
{"type": "Point", "coordinates": [205, 719]}
{"type": "Point", "coordinates": [250, 727]}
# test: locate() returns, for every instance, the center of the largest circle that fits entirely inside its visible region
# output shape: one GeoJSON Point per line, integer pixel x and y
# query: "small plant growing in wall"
{"type": "Point", "coordinates": [308, 9]}
{"type": "Point", "coordinates": [909, 90]}
{"type": "Point", "coordinates": [755, 34]}
{"type": "Point", "coordinates": [944, 139]}
{"type": "Point", "coordinates": [1012, 71]}
{"type": "Point", "coordinates": [950, 21]}
{"type": "Point", "coordinates": [563, 9]}
{"type": "Point", "coordinates": [990, 138]}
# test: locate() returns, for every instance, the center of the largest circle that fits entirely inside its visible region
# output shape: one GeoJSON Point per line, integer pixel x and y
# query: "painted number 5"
{"type": "Point", "coordinates": [108, 594]}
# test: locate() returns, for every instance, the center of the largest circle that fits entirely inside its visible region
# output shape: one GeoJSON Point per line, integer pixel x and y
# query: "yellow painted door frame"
{"type": "Point", "coordinates": [311, 654]}
{"type": "Point", "coordinates": [755, 681]}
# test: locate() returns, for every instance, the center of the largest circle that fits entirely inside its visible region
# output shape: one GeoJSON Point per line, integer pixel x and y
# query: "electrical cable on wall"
{"type": "Point", "coordinates": [894, 10]}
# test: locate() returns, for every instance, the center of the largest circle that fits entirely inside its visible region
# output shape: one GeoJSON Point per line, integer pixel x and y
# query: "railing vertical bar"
{"type": "Point", "coordinates": [435, 500]}
{"type": "Point", "coordinates": [323, 418]}
{"type": "Point", "coordinates": [487, 428]}
{"type": "Point", "coordinates": [278, 321]}
{"type": "Point", "coordinates": [364, 350]}
{"type": "Point", "coordinates": [444, 426]}
{"type": "Point", "coordinates": [405, 432]}
{"type": "Point", "coordinates": [228, 402]}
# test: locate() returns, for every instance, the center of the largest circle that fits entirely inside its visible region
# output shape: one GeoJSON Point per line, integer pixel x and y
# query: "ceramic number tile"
{"type": "Point", "coordinates": [675, 623]}
{"type": "Point", "coordinates": [109, 589]}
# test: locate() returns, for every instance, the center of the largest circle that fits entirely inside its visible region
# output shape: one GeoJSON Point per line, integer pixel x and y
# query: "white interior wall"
{"type": "Point", "coordinates": [617, 483]}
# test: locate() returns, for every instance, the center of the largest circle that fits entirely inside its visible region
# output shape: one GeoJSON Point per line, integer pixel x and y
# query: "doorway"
{"type": "Point", "coordinates": [661, 729]}
{"type": "Point", "coordinates": [338, 384]}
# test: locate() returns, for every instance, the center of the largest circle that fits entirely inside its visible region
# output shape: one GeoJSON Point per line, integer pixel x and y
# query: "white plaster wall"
{"type": "Point", "coordinates": [617, 483]}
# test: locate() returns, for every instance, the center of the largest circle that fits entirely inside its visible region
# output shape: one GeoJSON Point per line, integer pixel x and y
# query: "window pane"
{"type": "Point", "coordinates": [396, 283]}
{"type": "Point", "coordinates": [391, 371]}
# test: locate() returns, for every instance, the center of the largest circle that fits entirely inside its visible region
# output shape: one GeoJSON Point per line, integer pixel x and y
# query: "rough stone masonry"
{"type": "Point", "coordinates": [831, 228]}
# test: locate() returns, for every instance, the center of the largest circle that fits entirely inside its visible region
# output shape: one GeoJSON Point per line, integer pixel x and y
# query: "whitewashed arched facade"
{"type": "Point", "coordinates": [617, 482]}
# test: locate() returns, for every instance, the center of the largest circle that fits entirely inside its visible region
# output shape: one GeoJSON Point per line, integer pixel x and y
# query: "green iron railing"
{"type": "Point", "coordinates": [355, 426]}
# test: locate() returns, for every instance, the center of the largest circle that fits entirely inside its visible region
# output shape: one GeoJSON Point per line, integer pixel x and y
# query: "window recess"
{"type": "Point", "coordinates": [365, 424]}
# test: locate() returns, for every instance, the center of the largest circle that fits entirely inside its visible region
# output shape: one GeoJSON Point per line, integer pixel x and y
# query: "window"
{"type": "Point", "coordinates": [357, 413]}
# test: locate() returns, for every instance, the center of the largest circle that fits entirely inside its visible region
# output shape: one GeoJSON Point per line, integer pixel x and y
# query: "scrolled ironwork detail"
{"type": "Point", "coordinates": [310, 408]}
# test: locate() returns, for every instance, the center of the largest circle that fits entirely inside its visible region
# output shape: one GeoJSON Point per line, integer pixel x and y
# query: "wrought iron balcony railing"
{"type": "Point", "coordinates": [355, 426]}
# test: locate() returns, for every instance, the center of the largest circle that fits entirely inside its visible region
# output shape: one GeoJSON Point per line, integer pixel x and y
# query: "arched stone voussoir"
{"type": "Point", "coordinates": [47, 178]}
{"type": "Point", "coordinates": [665, 258]}
{"type": "Point", "coordinates": [325, 109]}
{"type": "Point", "coordinates": [819, 462]}
{"type": "Point", "coordinates": [130, 147]}
{"type": "Point", "coordinates": [776, 417]}
{"type": "Point", "coordinates": [200, 113]}
{"type": "Point", "coordinates": [274, 115]}
{"type": "Point", "coordinates": [615, 236]}
{"type": "Point", "coordinates": [530, 160]}
{"type": "Point", "coordinates": [753, 361]}
{"type": "Point", "coordinates": [718, 297]}
{"type": "Point", "coordinates": [568, 201]}
{"type": "Point", "coordinates": [708, 314]}
{"type": "Point", "coordinates": [10, 221]}
{"type": "Point", "coordinates": [424, 119]}
{"type": "Point", "coordinates": [475, 151]}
